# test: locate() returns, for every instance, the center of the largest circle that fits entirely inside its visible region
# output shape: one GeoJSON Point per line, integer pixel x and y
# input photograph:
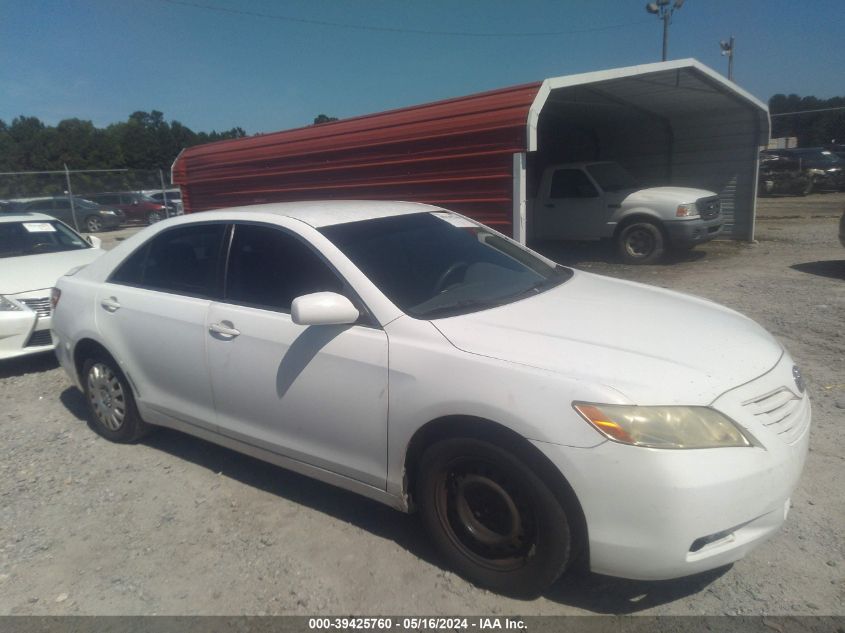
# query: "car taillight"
{"type": "Point", "coordinates": [55, 295]}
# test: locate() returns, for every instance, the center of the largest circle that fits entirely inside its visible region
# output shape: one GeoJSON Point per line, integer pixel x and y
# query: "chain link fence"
{"type": "Point", "coordinates": [133, 196]}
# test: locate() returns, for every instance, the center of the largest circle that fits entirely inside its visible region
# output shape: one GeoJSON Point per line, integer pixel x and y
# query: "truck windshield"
{"type": "Point", "coordinates": [612, 177]}
{"type": "Point", "coordinates": [433, 265]}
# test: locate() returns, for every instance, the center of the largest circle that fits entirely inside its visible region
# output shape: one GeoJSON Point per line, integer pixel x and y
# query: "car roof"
{"type": "Point", "coordinates": [320, 213]}
{"type": "Point", "coordinates": [25, 216]}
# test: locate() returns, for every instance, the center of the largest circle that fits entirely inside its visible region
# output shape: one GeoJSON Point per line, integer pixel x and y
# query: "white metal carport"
{"type": "Point", "coordinates": [677, 122]}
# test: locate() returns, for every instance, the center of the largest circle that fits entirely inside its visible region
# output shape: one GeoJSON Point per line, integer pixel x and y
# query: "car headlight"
{"type": "Point", "coordinates": [664, 426]}
{"type": "Point", "coordinates": [108, 212]}
{"type": "Point", "coordinates": [7, 305]}
{"type": "Point", "coordinates": [687, 210]}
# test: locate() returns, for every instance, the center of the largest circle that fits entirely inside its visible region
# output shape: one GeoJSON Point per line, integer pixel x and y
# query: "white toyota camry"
{"type": "Point", "coordinates": [35, 250]}
{"type": "Point", "coordinates": [534, 415]}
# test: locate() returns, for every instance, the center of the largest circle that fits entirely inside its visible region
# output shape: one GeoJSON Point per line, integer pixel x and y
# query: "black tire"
{"type": "Point", "coordinates": [93, 224]}
{"type": "Point", "coordinates": [494, 519]}
{"type": "Point", "coordinates": [110, 401]}
{"type": "Point", "coordinates": [807, 189]}
{"type": "Point", "coordinates": [154, 216]}
{"type": "Point", "coordinates": [640, 243]}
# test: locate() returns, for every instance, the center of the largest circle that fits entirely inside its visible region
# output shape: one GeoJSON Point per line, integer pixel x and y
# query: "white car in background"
{"type": "Point", "coordinates": [532, 413]}
{"type": "Point", "coordinates": [35, 250]}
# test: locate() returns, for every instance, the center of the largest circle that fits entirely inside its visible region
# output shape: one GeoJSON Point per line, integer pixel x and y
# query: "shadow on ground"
{"type": "Point", "coordinates": [582, 590]}
{"type": "Point", "coordinates": [835, 269]}
{"type": "Point", "coordinates": [34, 364]}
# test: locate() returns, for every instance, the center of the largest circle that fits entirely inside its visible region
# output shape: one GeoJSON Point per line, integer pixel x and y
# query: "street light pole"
{"type": "Point", "coordinates": [664, 11]}
{"type": "Point", "coordinates": [728, 49]}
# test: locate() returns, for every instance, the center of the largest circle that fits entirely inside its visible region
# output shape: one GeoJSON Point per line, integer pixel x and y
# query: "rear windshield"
{"type": "Point", "coordinates": [433, 265]}
{"type": "Point", "coordinates": [35, 237]}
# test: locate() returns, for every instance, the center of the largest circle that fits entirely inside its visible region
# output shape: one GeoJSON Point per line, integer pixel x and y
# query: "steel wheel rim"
{"type": "Point", "coordinates": [639, 243]}
{"type": "Point", "coordinates": [487, 514]}
{"type": "Point", "coordinates": [106, 396]}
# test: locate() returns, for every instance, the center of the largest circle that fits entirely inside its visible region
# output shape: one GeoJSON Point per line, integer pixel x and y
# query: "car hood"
{"type": "Point", "coordinates": [670, 196]}
{"type": "Point", "coordinates": [34, 272]}
{"type": "Point", "coordinates": [652, 345]}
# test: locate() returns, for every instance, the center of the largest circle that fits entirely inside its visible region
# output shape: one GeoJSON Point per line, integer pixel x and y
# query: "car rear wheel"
{"type": "Point", "coordinates": [110, 401]}
{"type": "Point", "coordinates": [494, 520]}
{"type": "Point", "coordinates": [154, 216]}
{"type": "Point", "coordinates": [94, 223]}
{"type": "Point", "coordinates": [640, 243]}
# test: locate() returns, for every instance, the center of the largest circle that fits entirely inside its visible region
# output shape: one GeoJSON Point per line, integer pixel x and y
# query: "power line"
{"type": "Point", "coordinates": [808, 111]}
{"type": "Point", "coordinates": [388, 29]}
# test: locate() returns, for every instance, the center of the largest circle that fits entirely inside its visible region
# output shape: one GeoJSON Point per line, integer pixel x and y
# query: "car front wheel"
{"type": "Point", "coordinates": [153, 217]}
{"type": "Point", "coordinates": [94, 224]}
{"type": "Point", "coordinates": [110, 401]}
{"type": "Point", "coordinates": [496, 522]}
{"type": "Point", "coordinates": [640, 243]}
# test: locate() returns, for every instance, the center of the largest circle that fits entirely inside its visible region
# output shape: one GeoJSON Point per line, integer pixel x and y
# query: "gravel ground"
{"type": "Point", "coordinates": [175, 525]}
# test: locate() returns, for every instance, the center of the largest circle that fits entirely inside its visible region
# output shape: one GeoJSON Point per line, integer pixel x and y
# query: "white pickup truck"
{"type": "Point", "coordinates": [601, 200]}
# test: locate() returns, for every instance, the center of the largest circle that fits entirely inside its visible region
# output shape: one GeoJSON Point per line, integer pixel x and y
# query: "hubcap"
{"type": "Point", "coordinates": [487, 514]}
{"type": "Point", "coordinates": [639, 243]}
{"type": "Point", "coordinates": [106, 396]}
{"type": "Point", "coordinates": [94, 224]}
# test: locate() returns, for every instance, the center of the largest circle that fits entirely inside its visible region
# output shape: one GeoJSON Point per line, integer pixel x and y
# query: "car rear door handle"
{"type": "Point", "coordinates": [111, 304]}
{"type": "Point", "coordinates": [225, 328]}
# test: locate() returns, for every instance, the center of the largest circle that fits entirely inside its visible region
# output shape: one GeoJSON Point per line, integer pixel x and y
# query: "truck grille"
{"type": "Point", "coordinates": [39, 338]}
{"type": "Point", "coordinates": [41, 305]}
{"type": "Point", "coordinates": [708, 208]}
{"type": "Point", "coordinates": [781, 411]}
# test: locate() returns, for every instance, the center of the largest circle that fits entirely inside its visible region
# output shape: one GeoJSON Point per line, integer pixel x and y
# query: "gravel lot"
{"type": "Point", "coordinates": [175, 525]}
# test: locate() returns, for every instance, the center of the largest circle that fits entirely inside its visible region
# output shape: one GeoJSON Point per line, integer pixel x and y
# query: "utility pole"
{"type": "Point", "coordinates": [664, 10]}
{"type": "Point", "coordinates": [728, 49]}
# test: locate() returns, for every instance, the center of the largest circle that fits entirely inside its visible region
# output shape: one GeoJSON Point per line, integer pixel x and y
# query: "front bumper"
{"type": "Point", "coordinates": [658, 514]}
{"type": "Point", "coordinates": [688, 233]}
{"type": "Point", "coordinates": [23, 332]}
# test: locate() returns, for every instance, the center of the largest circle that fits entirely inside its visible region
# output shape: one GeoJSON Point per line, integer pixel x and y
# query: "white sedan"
{"type": "Point", "coordinates": [35, 250]}
{"type": "Point", "coordinates": [536, 416]}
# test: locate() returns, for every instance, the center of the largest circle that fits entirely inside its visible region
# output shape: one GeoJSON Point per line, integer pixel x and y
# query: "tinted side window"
{"type": "Point", "coordinates": [270, 268]}
{"type": "Point", "coordinates": [61, 203]}
{"type": "Point", "coordinates": [571, 183]}
{"type": "Point", "coordinates": [184, 260]}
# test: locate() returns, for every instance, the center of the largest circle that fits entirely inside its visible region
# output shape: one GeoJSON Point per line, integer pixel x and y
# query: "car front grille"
{"type": "Point", "coordinates": [40, 305]}
{"type": "Point", "coordinates": [708, 208]}
{"type": "Point", "coordinates": [782, 412]}
{"type": "Point", "coordinates": [39, 338]}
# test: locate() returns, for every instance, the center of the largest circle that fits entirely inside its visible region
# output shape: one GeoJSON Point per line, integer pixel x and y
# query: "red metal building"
{"type": "Point", "coordinates": [673, 122]}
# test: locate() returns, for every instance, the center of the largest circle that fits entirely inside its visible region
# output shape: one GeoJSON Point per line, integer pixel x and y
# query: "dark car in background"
{"type": "Point", "coordinates": [90, 216]}
{"type": "Point", "coordinates": [137, 207]}
{"type": "Point", "coordinates": [801, 170]}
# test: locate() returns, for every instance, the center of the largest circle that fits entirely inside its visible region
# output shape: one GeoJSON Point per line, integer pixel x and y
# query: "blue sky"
{"type": "Point", "coordinates": [103, 59]}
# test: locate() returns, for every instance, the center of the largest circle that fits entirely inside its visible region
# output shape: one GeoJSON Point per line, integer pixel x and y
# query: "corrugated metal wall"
{"type": "Point", "coordinates": [456, 153]}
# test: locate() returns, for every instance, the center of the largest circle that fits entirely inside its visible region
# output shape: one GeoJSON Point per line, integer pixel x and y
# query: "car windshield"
{"type": "Point", "coordinates": [439, 264]}
{"type": "Point", "coordinates": [612, 177]}
{"type": "Point", "coordinates": [85, 203]}
{"type": "Point", "coordinates": [35, 237]}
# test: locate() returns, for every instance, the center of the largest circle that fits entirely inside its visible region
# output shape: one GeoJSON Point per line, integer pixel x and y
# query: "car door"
{"type": "Point", "coordinates": [572, 208]}
{"type": "Point", "coordinates": [317, 394]}
{"type": "Point", "coordinates": [151, 314]}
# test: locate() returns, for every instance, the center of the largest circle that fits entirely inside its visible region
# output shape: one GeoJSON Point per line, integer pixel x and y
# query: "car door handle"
{"type": "Point", "coordinates": [110, 305]}
{"type": "Point", "coordinates": [226, 328]}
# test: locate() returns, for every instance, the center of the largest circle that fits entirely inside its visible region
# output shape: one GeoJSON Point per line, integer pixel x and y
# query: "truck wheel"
{"type": "Point", "coordinates": [492, 517]}
{"type": "Point", "coordinates": [640, 243]}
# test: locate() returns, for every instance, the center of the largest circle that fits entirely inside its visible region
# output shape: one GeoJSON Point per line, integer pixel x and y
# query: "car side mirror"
{"type": "Point", "coordinates": [94, 241]}
{"type": "Point", "coordinates": [323, 308]}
